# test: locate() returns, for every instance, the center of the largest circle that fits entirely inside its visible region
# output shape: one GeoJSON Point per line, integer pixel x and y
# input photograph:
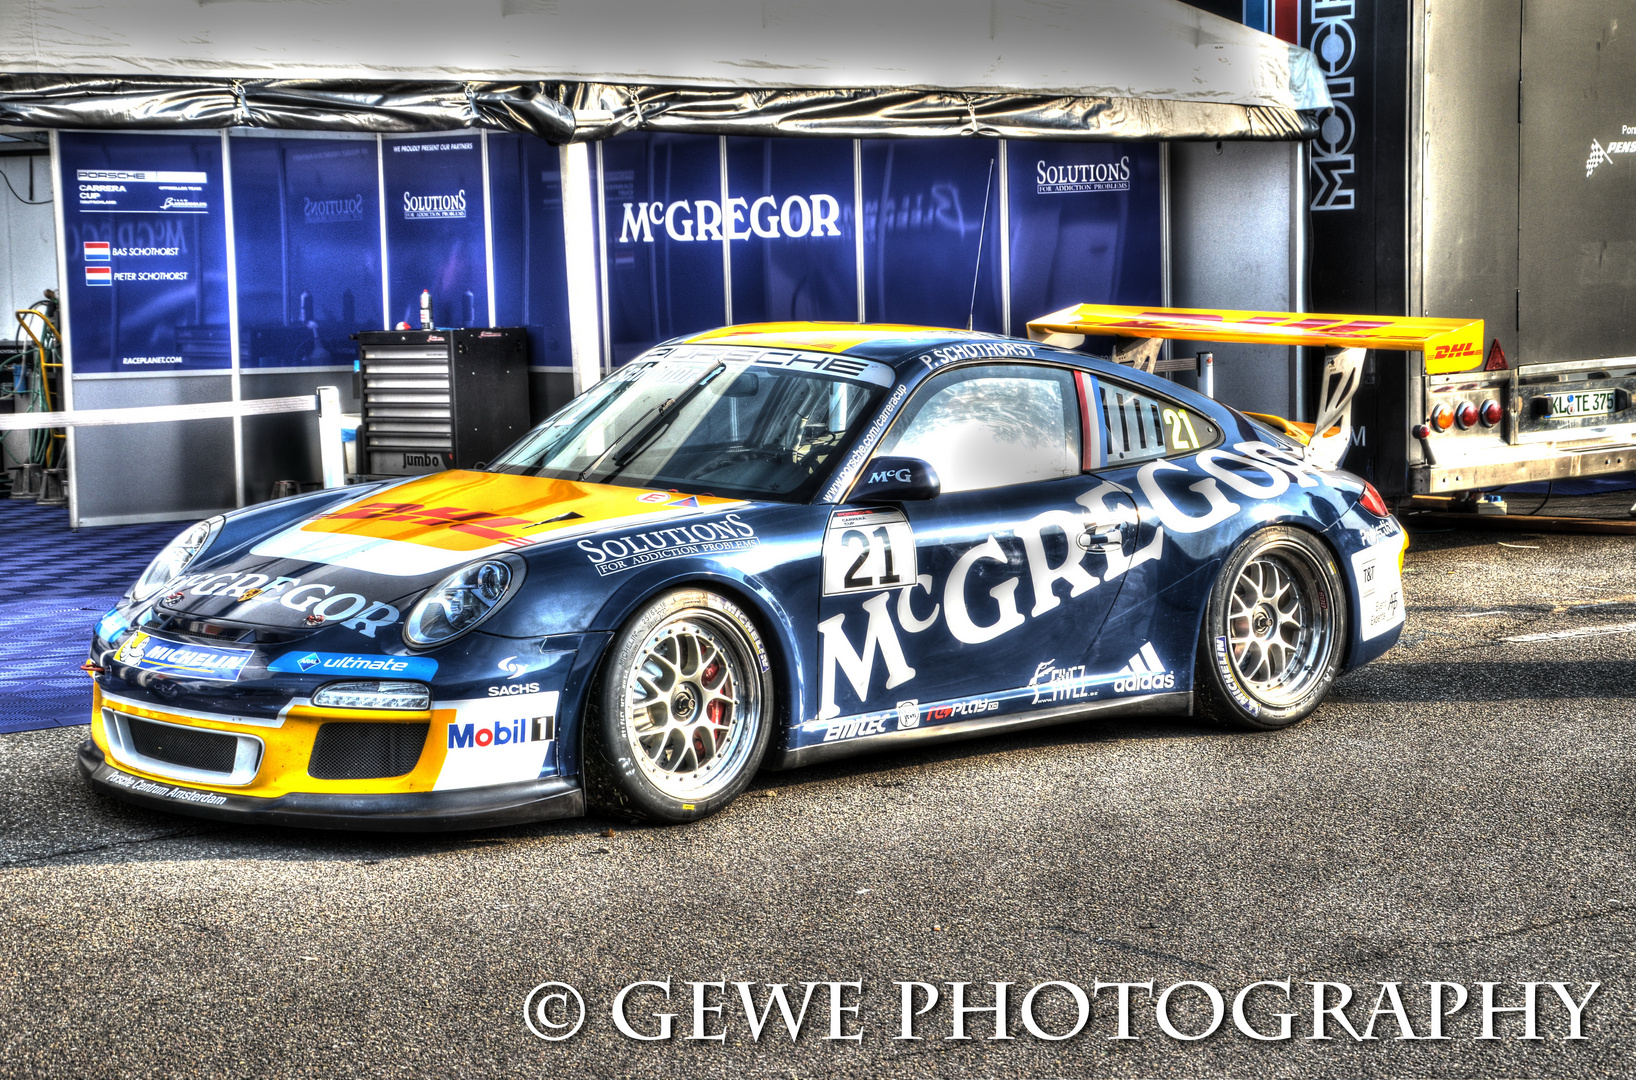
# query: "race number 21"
{"type": "Point", "coordinates": [868, 550]}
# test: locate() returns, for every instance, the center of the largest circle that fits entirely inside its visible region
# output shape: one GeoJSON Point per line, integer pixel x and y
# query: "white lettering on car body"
{"type": "Point", "coordinates": [1262, 472]}
{"type": "Point", "coordinates": [352, 610]}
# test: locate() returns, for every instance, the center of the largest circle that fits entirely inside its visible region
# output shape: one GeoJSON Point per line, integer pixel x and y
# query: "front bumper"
{"type": "Point", "coordinates": [415, 811]}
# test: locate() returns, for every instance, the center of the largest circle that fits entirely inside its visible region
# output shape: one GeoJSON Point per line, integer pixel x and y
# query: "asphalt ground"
{"type": "Point", "coordinates": [1460, 811]}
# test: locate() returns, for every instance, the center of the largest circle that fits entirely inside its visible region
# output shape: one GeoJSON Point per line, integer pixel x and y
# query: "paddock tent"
{"type": "Point", "coordinates": [957, 163]}
{"type": "Point", "coordinates": [587, 69]}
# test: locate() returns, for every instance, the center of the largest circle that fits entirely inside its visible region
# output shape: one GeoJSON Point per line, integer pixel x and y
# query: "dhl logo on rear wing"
{"type": "Point", "coordinates": [1447, 345]}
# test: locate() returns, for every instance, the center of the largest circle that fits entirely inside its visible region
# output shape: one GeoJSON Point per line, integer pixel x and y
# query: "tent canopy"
{"type": "Point", "coordinates": [578, 69]}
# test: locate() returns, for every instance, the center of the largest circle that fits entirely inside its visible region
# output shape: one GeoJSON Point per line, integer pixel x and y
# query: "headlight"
{"type": "Point", "coordinates": [168, 565]}
{"type": "Point", "coordinates": [374, 694]}
{"type": "Point", "coordinates": [462, 600]}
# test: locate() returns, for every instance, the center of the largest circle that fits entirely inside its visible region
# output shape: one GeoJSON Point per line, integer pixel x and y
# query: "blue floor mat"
{"type": "Point", "coordinates": [55, 582]}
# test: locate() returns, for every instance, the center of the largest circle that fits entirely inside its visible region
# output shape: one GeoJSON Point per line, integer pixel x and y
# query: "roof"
{"type": "Point", "coordinates": [878, 341]}
{"type": "Point", "coordinates": [893, 344]}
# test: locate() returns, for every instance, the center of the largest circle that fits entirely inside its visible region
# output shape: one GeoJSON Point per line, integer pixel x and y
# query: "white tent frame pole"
{"type": "Point", "coordinates": [579, 241]}
{"type": "Point", "coordinates": [605, 358]}
{"type": "Point", "coordinates": [386, 276]}
{"type": "Point", "coordinates": [233, 373]}
{"type": "Point", "coordinates": [488, 227]}
{"type": "Point", "coordinates": [67, 369]}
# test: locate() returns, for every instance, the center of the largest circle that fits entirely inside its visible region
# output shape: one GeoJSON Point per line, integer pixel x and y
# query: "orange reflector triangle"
{"type": "Point", "coordinates": [1496, 358]}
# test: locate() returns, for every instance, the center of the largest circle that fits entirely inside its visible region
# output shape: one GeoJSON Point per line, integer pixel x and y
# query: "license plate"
{"type": "Point", "coordinates": [1582, 403]}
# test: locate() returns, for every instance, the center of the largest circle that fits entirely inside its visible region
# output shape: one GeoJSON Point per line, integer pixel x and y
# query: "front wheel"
{"type": "Point", "coordinates": [1275, 631]}
{"type": "Point", "coordinates": [681, 711]}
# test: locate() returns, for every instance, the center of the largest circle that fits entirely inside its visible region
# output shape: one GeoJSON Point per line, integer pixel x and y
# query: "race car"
{"type": "Point", "coordinates": [761, 546]}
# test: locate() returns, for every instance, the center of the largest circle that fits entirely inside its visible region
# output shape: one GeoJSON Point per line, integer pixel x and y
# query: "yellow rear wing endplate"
{"type": "Point", "coordinates": [1447, 345]}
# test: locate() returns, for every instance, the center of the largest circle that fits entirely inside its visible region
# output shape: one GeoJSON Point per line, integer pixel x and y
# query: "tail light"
{"type": "Point", "coordinates": [1465, 414]}
{"type": "Point", "coordinates": [1372, 501]}
{"type": "Point", "coordinates": [1491, 412]}
{"type": "Point", "coordinates": [1442, 418]}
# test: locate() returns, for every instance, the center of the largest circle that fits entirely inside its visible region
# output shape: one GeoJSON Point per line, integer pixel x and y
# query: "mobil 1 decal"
{"type": "Point", "coordinates": [498, 740]}
{"type": "Point", "coordinates": [868, 549]}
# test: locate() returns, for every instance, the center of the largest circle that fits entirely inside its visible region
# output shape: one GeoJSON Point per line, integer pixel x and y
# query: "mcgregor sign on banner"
{"type": "Point", "coordinates": [816, 216]}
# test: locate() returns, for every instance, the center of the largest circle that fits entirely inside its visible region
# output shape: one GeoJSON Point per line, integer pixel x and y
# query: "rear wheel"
{"type": "Point", "coordinates": [681, 711]}
{"type": "Point", "coordinates": [1275, 631]}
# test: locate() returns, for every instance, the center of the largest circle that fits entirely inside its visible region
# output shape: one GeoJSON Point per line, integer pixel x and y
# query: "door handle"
{"type": "Point", "coordinates": [1101, 538]}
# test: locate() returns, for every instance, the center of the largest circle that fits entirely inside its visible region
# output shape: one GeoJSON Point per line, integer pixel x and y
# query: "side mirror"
{"type": "Point", "coordinates": [896, 479]}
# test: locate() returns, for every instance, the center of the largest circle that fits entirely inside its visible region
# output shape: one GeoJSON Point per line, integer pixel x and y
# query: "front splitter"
{"type": "Point", "coordinates": [415, 811]}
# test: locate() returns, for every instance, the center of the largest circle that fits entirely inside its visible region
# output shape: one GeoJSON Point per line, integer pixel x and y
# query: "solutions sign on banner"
{"type": "Point", "coordinates": [147, 252]}
{"type": "Point", "coordinates": [434, 229]}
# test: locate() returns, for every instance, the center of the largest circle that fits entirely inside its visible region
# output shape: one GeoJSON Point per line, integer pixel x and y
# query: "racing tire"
{"type": "Point", "coordinates": [681, 712]}
{"type": "Point", "coordinates": [1274, 633]}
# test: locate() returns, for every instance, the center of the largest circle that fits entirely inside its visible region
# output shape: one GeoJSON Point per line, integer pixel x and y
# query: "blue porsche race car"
{"type": "Point", "coordinates": [759, 546]}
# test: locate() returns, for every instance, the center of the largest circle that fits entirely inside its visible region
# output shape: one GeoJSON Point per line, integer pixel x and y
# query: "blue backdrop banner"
{"type": "Point", "coordinates": [147, 252]}
{"type": "Point", "coordinates": [530, 260]}
{"type": "Point", "coordinates": [789, 217]}
{"type": "Point", "coordinates": [307, 234]}
{"type": "Point", "coordinates": [434, 229]}
{"type": "Point", "coordinates": [662, 233]}
{"type": "Point", "coordinates": [931, 213]}
{"type": "Point", "coordinates": [680, 216]}
{"type": "Point", "coordinates": [1085, 226]}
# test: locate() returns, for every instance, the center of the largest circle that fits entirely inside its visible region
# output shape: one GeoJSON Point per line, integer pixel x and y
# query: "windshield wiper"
{"type": "Point", "coordinates": [661, 419]}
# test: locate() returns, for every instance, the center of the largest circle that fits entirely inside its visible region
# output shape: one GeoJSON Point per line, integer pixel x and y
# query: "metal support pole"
{"type": "Point", "coordinates": [1207, 374]}
{"type": "Point", "coordinates": [331, 447]}
{"type": "Point", "coordinates": [579, 230]}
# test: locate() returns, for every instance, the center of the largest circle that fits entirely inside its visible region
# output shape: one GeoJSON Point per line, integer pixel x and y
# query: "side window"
{"type": "Point", "coordinates": [984, 427]}
{"type": "Point", "coordinates": [1135, 426]}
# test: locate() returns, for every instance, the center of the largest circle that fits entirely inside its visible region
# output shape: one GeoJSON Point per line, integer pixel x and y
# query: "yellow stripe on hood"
{"type": "Point", "coordinates": [446, 518]}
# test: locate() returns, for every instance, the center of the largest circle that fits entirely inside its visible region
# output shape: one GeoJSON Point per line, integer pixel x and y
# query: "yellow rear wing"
{"type": "Point", "coordinates": [1446, 345]}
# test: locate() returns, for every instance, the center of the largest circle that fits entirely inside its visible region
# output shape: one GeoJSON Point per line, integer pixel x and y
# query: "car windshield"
{"type": "Point", "coordinates": [739, 422]}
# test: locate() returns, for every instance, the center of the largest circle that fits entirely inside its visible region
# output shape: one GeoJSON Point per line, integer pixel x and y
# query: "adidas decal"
{"type": "Point", "coordinates": [1144, 672]}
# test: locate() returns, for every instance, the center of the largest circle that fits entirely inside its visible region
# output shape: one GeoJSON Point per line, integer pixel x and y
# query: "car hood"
{"type": "Point", "coordinates": [360, 563]}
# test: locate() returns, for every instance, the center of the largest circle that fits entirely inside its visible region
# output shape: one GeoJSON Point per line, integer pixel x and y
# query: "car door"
{"type": "Point", "coordinates": [978, 603]}
{"type": "Point", "coordinates": [1145, 444]}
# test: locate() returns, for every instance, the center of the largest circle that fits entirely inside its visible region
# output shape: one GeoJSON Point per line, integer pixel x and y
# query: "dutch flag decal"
{"type": "Point", "coordinates": [99, 275]}
{"type": "Point", "coordinates": [98, 251]}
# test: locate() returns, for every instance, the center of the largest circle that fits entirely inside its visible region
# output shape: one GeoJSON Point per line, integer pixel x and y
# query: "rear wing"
{"type": "Point", "coordinates": [1445, 345]}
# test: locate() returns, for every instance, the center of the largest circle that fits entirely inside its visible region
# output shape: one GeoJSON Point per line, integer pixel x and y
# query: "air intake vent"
{"type": "Point", "coordinates": [206, 751]}
{"type": "Point", "coordinates": [366, 751]}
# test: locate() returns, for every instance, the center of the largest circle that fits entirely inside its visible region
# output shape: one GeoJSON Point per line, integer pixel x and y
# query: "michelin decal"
{"type": "Point", "coordinates": [148, 653]}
